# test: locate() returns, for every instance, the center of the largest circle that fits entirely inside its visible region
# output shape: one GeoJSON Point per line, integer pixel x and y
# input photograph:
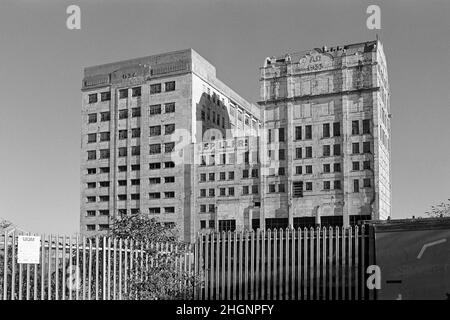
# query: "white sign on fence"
{"type": "Point", "coordinates": [28, 249]}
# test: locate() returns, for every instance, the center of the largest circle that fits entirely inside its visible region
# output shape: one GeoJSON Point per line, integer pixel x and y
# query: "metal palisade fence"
{"type": "Point", "coordinates": [303, 264]}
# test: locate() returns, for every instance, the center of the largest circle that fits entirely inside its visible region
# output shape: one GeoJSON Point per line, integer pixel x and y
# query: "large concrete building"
{"type": "Point", "coordinates": [327, 117]}
{"type": "Point", "coordinates": [162, 135]}
{"type": "Point", "coordinates": [142, 120]}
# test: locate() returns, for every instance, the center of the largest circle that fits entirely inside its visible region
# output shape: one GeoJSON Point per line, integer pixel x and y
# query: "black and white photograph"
{"type": "Point", "coordinates": [220, 157]}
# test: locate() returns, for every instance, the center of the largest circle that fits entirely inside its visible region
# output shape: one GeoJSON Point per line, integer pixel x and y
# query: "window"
{"type": "Point", "coordinates": [304, 222]}
{"type": "Point", "coordinates": [202, 177]}
{"type": "Point", "coordinates": [155, 88]}
{"type": "Point", "coordinates": [366, 183]}
{"type": "Point", "coordinates": [169, 128]}
{"type": "Point", "coordinates": [135, 150]}
{"type": "Point", "coordinates": [203, 208]}
{"type": "Point", "coordinates": [155, 149]}
{"type": "Point", "coordinates": [104, 198]}
{"type": "Point", "coordinates": [169, 146]}
{"type": "Point", "coordinates": [356, 185]}
{"type": "Point", "coordinates": [211, 192]}
{"type": "Point", "coordinates": [90, 199]}
{"type": "Point", "coordinates": [90, 213]}
{"type": "Point", "coordinates": [337, 167]}
{"type": "Point", "coordinates": [309, 186]}
{"type": "Point", "coordinates": [134, 211]}
{"type": "Point", "coordinates": [297, 189]}
{"type": "Point", "coordinates": [355, 148]}
{"type": "Point", "coordinates": [366, 126]}
{"type": "Point", "coordinates": [92, 118]}
{"type": "Point", "coordinates": [308, 169]}
{"type": "Point", "coordinates": [169, 107]}
{"type": "Point", "coordinates": [122, 152]}
{"type": "Point", "coordinates": [136, 112]}
{"type": "Point", "coordinates": [326, 150]}
{"type": "Point", "coordinates": [104, 154]}
{"type": "Point", "coordinates": [326, 168]}
{"type": "Point", "coordinates": [331, 221]}
{"type": "Point", "coordinates": [154, 180]}
{"type": "Point", "coordinates": [281, 154]}
{"type": "Point", "coordinates": [154, 210]}
{"type": "Point", "coordinates": [136, 92]}
{"type": "Point", "coordinates": [155, 109]}
{"type": "Point", "coordinates": [91, 185]}
{"type": "Point", "coordinates": [122, 212]}
{"type": "Point", "coordinates": [355, 165]}
{"type": "Point", "coordinates": [104, 184]}
{"type": "Point", "coordinates": [326, 130]}
{"type": "Point", "coordinates": [123, 114]}
{"type": "Point", "coordinates": [211, 176]}
{"type": "Point", "coordinates": [202, 224]}
{"type": "Point", "coordinates": [366, 165]}
{"type": "Point", "coordinates": [92, 155]}
{"type": "Point", "coordinates": [281, 171]}
{"type": "Point", "coordinates": [298, 133]}
{"type": "Point", "coordinates": [336, 129]}
{"type": "Point", "coordinates": [271, 188]}
{"type": "Point", "coordinates": [123, 134]}
{"type": "Point", "coordinates": [227, 225]}
{"type": "Point", "coordinates": [170, 86]}
{"type": "Point", "coordinates": [222, 176]}
{"type": "Point", "coordinates": [154, 195]}
{"type": "Point", "coordinates": [231, 175]}
{"type": "Point", "coordinates": [104, 136]}
{"type": "Point", "coordinates": [245, 190]}
{"type": "Point", "coordinates": [169, 210]}
{"type": "Point", "coordinates": [281, 134]}
{"type": "Point", "coordinates": [254, 173]}
{"type": "Point", "coordinates": [93, 98]}
{"type": "Point", "coordinates": [308, 152]}
{"type": "Point", "coordinates": [337, 185]}
{"type": "Point", "coordinates": [255, 189]}
{"type": "Point", "coordinates": [222, 192]}
{"type": "Point", "coordinates": [337, 150]}
{"type": "Point", "coordinates": [277, 223]}
{"type": "Point", "coordinates": [169, 164]}
{"type": "Point", "coordinates": [202, 192]}
{"type": "Point", "coordinates": [366, 147]}
{"type": "Point", "coordinates": [123, 93]}
{"type": "Point", "coordinates": [169, 180]}
{"type": "Point", "coordinates": [122, 168]}
{"type": "Point", "coordinates": [105, 116]}
{"type": "Point", "coordinates": [269, 135]}
{"type": "Point", "coordinates": [169, 194]}
{"type": "Point", "coordinates": [326, 185]}
{"type": "Point", "coordinates": [298, 170]}
{"type": "Point", "coordinates": [135, 132]}
{"type": "Point", "coordinates": [104, 212]}
{"type": "Point", "coordinates": [281, 187]}
{"type": "Point", "coordinates": [135, 167]}
{"type": "Point", "coordinates": [91, 171]}
{"type": "Point", "coordinates": [105, 96]}
{"type": "Point", "coordinates": [90, 227]}
{"type": "Point", "coordinates": [122, 183]}
{"type": "Point", "coordinates": [104, 169]}
{"type": "Point", "coordinates": [155, 131]}
{"type": "Point", "coordinates": [154, 165]}
{"type": "Point", "coordinates": [211, 224]}
{"type": "Point", "coordinates": [231, 191]}
{"type": "Point", "coordinates": [92, 137]}
{"type": "Point", "coordinates": [298, 153]}
{"type": "Point", "coordinates": [308, 132]}
{"type": "Point", "coordinates": [355, 127]}
{"type": "Point", "coordinates": [244, 173]}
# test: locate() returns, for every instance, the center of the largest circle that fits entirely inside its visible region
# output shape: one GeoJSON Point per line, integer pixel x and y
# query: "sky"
{"type": "Point", "coordinates": [41, 67]}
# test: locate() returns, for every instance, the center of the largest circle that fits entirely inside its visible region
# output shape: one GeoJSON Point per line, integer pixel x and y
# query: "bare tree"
{"type": "Point", "coordinates": [440, 210]}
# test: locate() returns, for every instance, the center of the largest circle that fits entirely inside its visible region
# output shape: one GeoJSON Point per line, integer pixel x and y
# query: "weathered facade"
{"type": "Point", "coordinates": [326, 113]}
{"type": "Point", "coordinates": [141, 121]}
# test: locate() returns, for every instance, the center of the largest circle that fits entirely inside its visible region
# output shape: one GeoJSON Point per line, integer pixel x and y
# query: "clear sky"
{"type": "Point", "coordinates": [41, 65]}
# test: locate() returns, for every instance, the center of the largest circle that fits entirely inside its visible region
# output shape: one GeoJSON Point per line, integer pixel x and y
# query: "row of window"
{"type": "Point", "coordinates": [306, 132]}
{"type": "Point", "coordinates": [228, 158]}
{"type": "Point", "coordinates": [135, 92]}
{"type": "Point", "coordinates": [134, 167]}
{"type": "Point", "coordinates": [133, 196]}
{"type": "Point", "coordinates": [135, 133]}
{"type": "Point", "coordinates": [135, 112]}
{"type": "Point", "coordinates": [222, 175]}
{"type": "Point", "coordinates": [135, 151]}
{"type": "Point", "coordinates": [206, 116]}
{"type": "Point", "coordinates": [133, 182]}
